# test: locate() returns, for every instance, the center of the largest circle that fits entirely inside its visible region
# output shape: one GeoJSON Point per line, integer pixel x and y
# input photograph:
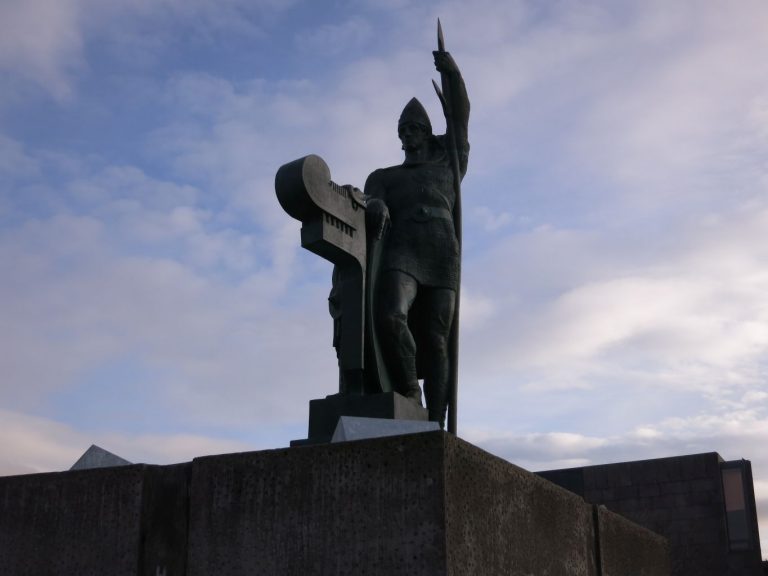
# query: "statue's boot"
{"type": "Point", "coordinates": [436, 392]}
{"type": "Point", "coordinates": [438, 414]}
{"type": "Point", "coordinates": [406, 380]}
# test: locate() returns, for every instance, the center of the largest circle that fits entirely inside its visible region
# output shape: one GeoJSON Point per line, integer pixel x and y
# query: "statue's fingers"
{"type": "Point", "coordinates": [382, 227]}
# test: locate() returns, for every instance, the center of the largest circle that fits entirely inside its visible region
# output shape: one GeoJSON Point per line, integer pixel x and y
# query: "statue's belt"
{"type": "Point", "coordinates": [422, 213]}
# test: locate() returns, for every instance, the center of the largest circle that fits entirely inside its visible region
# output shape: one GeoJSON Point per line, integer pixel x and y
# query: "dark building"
{"type": "Point", "coordinates": [703, 505]}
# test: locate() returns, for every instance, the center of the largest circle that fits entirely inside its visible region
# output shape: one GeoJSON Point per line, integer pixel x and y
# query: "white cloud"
{"type": "Point", "coordinates": [733, 434]}
{"type": "Point", "coordinates": [490, 220]}
{"type": "Point", "coordinates": [346, 36]}
{"type": "Point", "coordinates": [688, 312]}
{"type": "Point", "coordinates": [475, 312]}
{"type": "Point", "coordinates": [197, 332]}
{"type": "Point", "coordinates": [33, 444]}
{"type": "Point", "coordinates": [46, 41]}
{"type": "Point", "coordinates": [625, 111]}
{"type": "Point", "coordinates": [41, 40]}
{"type": "Point", "coordinates": [15, 163]}
{"type": "Point", "coordinates": [145, 273]}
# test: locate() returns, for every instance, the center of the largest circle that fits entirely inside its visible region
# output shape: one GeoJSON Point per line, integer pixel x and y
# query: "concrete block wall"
{"type": "Point", "coordinates": [119, 521]}
{"type": "Point", "coordinates": [628, 548]}
{"type": "Point", "coordinates": [425, 504]}
{"type": "Point", "coordinates": [501, 519]}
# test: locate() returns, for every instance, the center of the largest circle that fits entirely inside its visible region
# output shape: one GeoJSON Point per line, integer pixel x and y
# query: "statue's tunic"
{"type": "Point", "coordinates": [420, 197]}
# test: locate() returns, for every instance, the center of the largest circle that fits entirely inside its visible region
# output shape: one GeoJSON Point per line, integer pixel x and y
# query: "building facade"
{"type": "Point", "coordinates": [702, 504]}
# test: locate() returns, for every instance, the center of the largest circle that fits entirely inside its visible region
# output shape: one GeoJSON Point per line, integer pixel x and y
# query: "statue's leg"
{"type": "Point", "coordinates": [353, 382]}
{"type": "Point", "coordinates": [396, 296]}
{"type": "Point", "coordinates": [440, 305]}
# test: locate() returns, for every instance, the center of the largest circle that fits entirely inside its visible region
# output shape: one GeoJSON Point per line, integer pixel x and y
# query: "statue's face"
{"type": "Point", "coordinates": [412, 135]}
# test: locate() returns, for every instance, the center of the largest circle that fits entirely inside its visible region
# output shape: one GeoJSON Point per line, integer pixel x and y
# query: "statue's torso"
{"type": "Point", "coordinates": [422, 239]}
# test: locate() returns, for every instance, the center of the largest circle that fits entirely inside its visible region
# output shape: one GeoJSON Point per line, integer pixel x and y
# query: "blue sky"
{"type": "Point", "coordinates": [155, 299]}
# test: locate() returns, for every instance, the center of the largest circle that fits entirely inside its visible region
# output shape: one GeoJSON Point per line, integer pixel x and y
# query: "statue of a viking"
{"type": "Point", "coordinates": [414, 208]}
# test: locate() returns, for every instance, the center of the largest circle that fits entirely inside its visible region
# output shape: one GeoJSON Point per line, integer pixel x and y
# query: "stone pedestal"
{"type": "Point", "coordinates": [352, 428]}
{"type": "Point", "coordinates": [425, 504]}
{"type": "Point", "coordinates": [324, 413]}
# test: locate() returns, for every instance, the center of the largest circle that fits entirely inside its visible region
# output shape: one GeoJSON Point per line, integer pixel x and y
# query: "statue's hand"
{"type": "Point", "coordinates": [355, 194]}
{"type": "Point", "coordinates": [444, 62]}
{"type": "Point", "coordinates": [377, 215]}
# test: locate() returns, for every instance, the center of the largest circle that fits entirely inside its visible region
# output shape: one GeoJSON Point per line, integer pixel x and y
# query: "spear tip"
{"type": "Point", "coordinates": [440, 38]}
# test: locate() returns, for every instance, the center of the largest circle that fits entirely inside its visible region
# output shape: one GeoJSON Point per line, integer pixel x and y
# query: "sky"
{"type": "Point", "coordinates": [155, 300]}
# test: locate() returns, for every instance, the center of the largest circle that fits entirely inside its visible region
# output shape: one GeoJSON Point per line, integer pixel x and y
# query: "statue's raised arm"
{"type": "Point", "coordinates": [455, 102]}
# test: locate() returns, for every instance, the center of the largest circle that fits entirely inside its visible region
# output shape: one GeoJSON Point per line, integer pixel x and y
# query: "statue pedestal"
{"type": "Point", "coordinates": [427, 504]}
{"type": "Point", "coordinates": [324, 413]}
{"type": "Point", "coordinates": [424, 504]}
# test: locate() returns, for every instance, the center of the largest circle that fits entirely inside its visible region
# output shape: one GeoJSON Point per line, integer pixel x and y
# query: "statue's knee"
{"type": "Point", "coordinates": [438, 342]}
{"type": "Point", "coordinates": [393, 322]}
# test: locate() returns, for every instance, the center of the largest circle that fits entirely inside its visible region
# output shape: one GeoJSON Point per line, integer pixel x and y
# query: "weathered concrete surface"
{"type": "Point", "coordinates": [420, 505]}
{"type": "Point", "coordinates": [626, 548]}
{"type": "Point", "coordinates": [501, 519]}
{"type": "Point", "coordinates": [372, 507]}
{"type": "Point", "coordinates": [121, 521]}
{"type": "Point", "coordinates": [84, 523]}
{"type": "Point", "coordinates": [165, 520]}
{"type": "Point", "coordinates": [425, 504]}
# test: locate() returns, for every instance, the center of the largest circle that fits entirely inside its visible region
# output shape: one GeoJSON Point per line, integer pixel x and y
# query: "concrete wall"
{"type": "Point", "coordinates": [501, 519]}
{"type": "Point", "coordinates": [627, 548]}
{"type": "Point", "coordinates": [71, 523]}
{"type": "Point", "coordinates": [370, 507]}
{"type": "Point", "coordinates": [118, 521]}
{"type": "Point", "coordinates": [425, 504]}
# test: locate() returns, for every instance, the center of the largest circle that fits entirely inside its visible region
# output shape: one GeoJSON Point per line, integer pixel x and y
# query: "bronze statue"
{"type": "Point", "coordinates": [397, 255]}
{"type": "Point", "coordinates": [413, 205]}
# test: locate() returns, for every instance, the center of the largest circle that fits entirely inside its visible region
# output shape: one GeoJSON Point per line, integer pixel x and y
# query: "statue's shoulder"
{"type": "Point", "coordinates": [383, 174]}
{"type": "Point", "coordinates": [388, 170]}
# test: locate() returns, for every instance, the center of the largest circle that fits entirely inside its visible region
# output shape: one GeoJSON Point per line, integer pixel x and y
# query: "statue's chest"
{"type": "Point", "coordinates": [428, 184]}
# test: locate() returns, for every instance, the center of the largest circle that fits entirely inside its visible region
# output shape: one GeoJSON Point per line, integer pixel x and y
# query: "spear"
{"type": "Point", "coordinates": [444, 95]}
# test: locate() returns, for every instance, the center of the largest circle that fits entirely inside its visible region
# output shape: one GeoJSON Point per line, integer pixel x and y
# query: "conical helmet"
{"type": "Point", "coordinates": [415, 112]}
